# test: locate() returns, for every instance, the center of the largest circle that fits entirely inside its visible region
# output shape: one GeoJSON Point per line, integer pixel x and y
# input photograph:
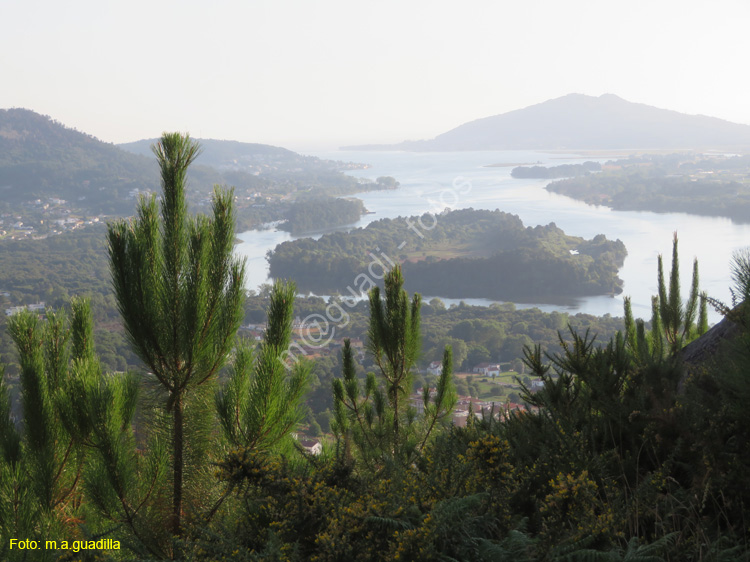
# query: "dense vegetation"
{"type": "Point", "coordinates": [75, 264]}
{"type": "Point", "coordinates": [611, 464]}
{"type": "Point", "coordinates": [55, 269]}
{"type": "Point", "coordinates": [233, 154]}
{"type": "Point", "coordinates": [626, 452]}
{"type": "Point", "coordinates": [476, 334]}
{"type": "Point", "coordinates": [551, 172]}
{"type": "Point", "coordinates": [668, 184]}
{"type": "Point", "coordinates": [522, 275]}
{"type": "Point", "coordinates": [468, 253]}
{"type": "Point", "coordinates": [309, 214]}
{"type": "Point", "coordinates": [41, 158]}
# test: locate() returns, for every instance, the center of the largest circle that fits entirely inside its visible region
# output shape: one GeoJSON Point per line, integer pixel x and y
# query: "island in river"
{"type": "Point", "coordinates": [464, 253]}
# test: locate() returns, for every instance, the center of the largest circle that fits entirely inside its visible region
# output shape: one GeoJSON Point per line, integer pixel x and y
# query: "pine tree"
{"type": "Point", "coordinates": [259, 405]}
{"type": "Point", "coordinates": [41, 465]}
{"type": "Point", "coordinates": [262, 402]}
{"type": "Point", "coordinates": [180, 292]}
{"type": "Point", "coordinates": [380, 420]}
{"type": "Point", "coordinates": [126, 485]}
{"type": "Point", "coordinates": [672, 322]}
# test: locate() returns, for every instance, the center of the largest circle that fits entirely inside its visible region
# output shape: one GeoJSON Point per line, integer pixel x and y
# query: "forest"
{"type": "Point", "coordinates": [469, 253]}
{"type": "Point", "coordinates": [632, 449]}
{"type": "Point", "coordinates": [675, 183]}
{"type": "Point", "coordinates": [476, 334]}
{"type": "Point", "coordinates": [57, 268]}
{"type": "Point", "coordinates": [309, 214]}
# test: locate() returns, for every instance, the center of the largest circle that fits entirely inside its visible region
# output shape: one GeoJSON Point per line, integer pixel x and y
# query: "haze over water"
{"type": "Point", "coordinates": [427, 185]}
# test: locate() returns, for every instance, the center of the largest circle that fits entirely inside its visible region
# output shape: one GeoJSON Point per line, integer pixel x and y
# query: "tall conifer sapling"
{"type": "Point", "coordinates": [180, 292]}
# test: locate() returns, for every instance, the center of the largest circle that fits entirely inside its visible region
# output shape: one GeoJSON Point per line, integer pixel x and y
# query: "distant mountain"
{"type": "Point", "coordinates": [577, 121]}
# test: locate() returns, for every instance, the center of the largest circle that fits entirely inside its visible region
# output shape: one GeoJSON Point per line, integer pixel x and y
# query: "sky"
{"type": "Point", "coordinates": [319, 74]}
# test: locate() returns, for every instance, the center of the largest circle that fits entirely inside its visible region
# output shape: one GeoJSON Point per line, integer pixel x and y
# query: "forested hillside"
{"type": "Point", "coordinates": [52, 271]}
{"type": "Point", "coordinates": [310, 214]}
{"type": "Point", "coordinates": [677, 183]}
{"type": "Point", "coordinates": [75, 264]}
{"type": "Point", "coordinates": [41, 158]}
{"type": "Point", "coordinates": [54, 179]}
{"type": "Point", "coordinates": [468, 253]}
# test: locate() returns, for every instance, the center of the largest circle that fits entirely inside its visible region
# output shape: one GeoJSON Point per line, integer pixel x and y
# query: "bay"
{"type": "Point", "coordinates": [430, 182]}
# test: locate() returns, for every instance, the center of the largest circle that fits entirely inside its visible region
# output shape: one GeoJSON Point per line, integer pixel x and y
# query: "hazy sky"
{"type": "Point", "coordinates": [319, 73]}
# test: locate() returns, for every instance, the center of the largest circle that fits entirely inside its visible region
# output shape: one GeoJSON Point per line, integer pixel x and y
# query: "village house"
{"type": "Point", "coordinates": [38, 307]}
{"type": "Point", "coordinates": [312, 446]}
{"type": "Point", "coordinates": [536, 385]}
{"type": "Point", "coordinates": [434, 368]}
{"type": "Point", "coordinates": [487, 369]}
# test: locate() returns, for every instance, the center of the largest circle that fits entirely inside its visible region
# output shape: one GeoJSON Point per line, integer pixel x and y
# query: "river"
{"type": "Point", "coordinates": [432, 181]}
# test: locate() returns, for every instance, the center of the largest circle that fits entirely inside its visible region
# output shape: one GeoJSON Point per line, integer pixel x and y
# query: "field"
{"type": "Point", "coordinates": [490, 388]}
{"type": "Point", "coordinates": [449, 250]}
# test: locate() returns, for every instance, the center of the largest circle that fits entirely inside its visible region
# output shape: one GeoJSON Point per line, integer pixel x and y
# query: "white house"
{"type": "Point", "coordinates": [38, 307]}
{"type": "Point", "coordinates": [488, 369]}
{"type": "Point", "coordinates": [536, 384]}
{"type": "Point", "coordinates": [417, 402]}
{"type": "Point", "coordinates": [312, 446]}
{"type": "Point", "coordinates": [435, 368]}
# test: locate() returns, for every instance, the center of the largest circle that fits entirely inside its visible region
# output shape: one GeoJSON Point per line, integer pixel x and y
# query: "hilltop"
{"type": "Point", "coordinates": [253, 158]}
{"type": "Point", "coordinates": [41, 158]}
{"type": "Point", "coordinates": [578, 121]}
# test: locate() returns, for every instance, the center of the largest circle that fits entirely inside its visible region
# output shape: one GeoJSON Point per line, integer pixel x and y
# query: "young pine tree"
{"type": "Point", "coordinates": [179, 290]}
{"type": "Point", "coordinates": [673, 323]}
{"type": "Point", "coordinates": [379, 419]}
{"type": "Point", "coordinates": [262, 402]}
{"type": "Point", "coordinates": [42, 464]}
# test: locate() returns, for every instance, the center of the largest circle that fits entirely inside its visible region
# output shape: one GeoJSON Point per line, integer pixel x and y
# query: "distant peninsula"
{"type": "Point", "coordinates": [714, 186]}
{"type": "Point", "coordinates": [552, 172]}
{"type": "Point", "coordinates": [578, 121]}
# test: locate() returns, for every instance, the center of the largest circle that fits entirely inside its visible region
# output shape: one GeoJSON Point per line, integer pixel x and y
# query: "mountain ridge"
{"type": "Point", "coordinates": [579, 121]}
{"type": "Point", "coordinates": [221, 153]}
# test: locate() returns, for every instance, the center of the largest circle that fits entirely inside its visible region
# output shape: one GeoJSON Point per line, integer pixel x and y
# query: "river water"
{"type": "Point", "coordinates": [432, 181]}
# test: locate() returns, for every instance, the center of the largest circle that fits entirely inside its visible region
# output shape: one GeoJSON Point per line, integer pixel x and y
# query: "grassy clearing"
{"type": "Point", "coordinates": [449, 250]}
{"type": "Point", "coordinates": [492, 388]}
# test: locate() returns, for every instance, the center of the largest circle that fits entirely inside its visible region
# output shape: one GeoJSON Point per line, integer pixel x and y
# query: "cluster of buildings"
{"type": "Point", "coordinates": [466, 407]}
{"type": "Point", "coordinates": [486, 369]}
{"type": "Point", "coordinates": [13, 310]}
{"type": "Point", "coordinates": [40, 218]}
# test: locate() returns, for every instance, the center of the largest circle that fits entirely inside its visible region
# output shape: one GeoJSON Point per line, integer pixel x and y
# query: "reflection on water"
{"type": "Point", "coordinates": [431, 181]}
